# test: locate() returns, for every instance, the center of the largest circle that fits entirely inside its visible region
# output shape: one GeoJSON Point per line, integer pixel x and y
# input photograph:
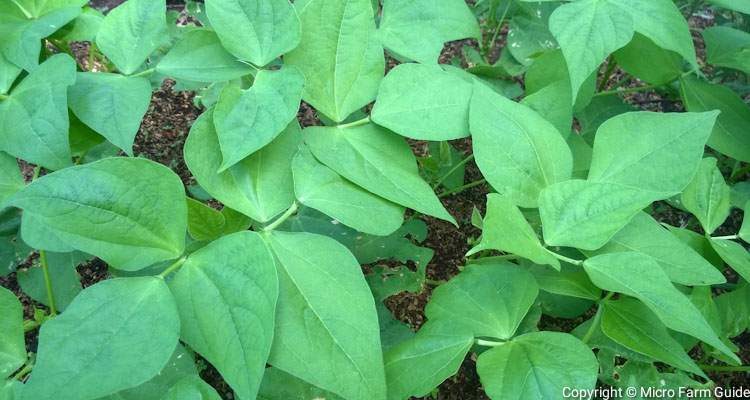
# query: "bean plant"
{"type": "Point", "coordinates": [256, 268]}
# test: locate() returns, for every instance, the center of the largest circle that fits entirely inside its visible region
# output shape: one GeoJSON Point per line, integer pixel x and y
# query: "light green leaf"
{"type": "Point", "coordinates": [570, 281]}
{"type": "Point", "coordinates": [639, 276]}
{"type": "Point", "coordinates": [37, 8]}
{"type": "Point", "coordinates": [423, 102]}
{"type": "Point", "coordinates": [599, 111]}
{"type": "Point", "coordinates": [417, 29]}
{"type": "Point", "coordinates": [417, 366]}
{"type": "Point", "coordinates": [537, 365]}
{"type": "Point", "coordinates": [588, 31]}
{"type": "Point", "coordinates": [85, 27]}
{"type": "Point", "coordinates": [657, 153]}
{"type": "Point", "coordinates": [260, 186]}
{"type": "Point", "coordinates": [226, 295]}
{"type": "Point", "coordinates": [341, 58]}
{"type": "Point", "coordinates": [517, 150]}
{"type": "Point", "coordinates": [587, 214]}
{"type": "Point", "coordinates": [326, 325]}
{"type": "Point", "coordinates": [130, 212]}
{"type": "Point", "coordinates": [65, 281]}
{"type": "Point", "coordinates": [732, 5]}
{"type": "Point", "coordinates": [8, 74]}
{"type": "Point", "coordinates": [645, 60]}
{"type": "Point", "coordinates": [191, 388]}
{"type": "Point", "coordinates": [131, 32]}
{"type": "Point", "coordinates": [12, 344]}
{"type": "Point", "coordinates": [11, 180]}
{"type": "Point", "coordinates": [35, 234]}
{"type": "Point", "coordinates": [733, 254]}
{"type": "Point", "coordinates": [506, 229]}
{"type": "Point", "coordinates": [679, 261]}
{"type": "Point", "coordinates": [548, 102]}
{"type": "Point", "coordinates": [34, 118]}
{"type": "Point", "coordinates": [255, 30]}
{"type": "Point", "coordinates": [707, 196]}
{"type": "Point", "coordinates": [529, 37]}
{"type": "Point", "coordinates": [728, 47]}
{"type": "Point", "coordinates": [631, 324]}
{"type": "Point", "coordinates": [321, 188]}
{"type": "Point", "coordinates": [111, 104]}
{"type": "Point", "coordinates": [91, 350]}
{"type": "Point", "coordinates": [278, 385]}
{"type": "Point", "coordinates": [247, 120]}
{"type": "Point", "coordinates": [200, 57]}
{"type": "Point", "coordinates": [377, 160]}
{"type": "Point", "coordinates": [485, 300]}
{"type": "Point", "coordinates": [204, 222]}
{"type": "Point", "coordinates": [729, 135]}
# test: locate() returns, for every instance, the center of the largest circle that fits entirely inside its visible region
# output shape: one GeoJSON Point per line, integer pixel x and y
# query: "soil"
{"type": "Point", "coordinates": [167, 123]}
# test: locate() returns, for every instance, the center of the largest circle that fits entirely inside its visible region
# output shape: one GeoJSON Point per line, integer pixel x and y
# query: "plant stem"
{"type": "Point", "coordinates": [359, 122]}
{"type": "Point", "coordinates": [597, 317]}
{"type": "Point", "coordinates": [462, 188]}
{"type": "Point", "coordinates": [489, 343]}
{"type": "Point", "coordinates": [491, 44]}
{"type": "Point", "coordinates": [288, 213]}
{"type": "Point", "coordinates": [4, 96]}
{"type": "Point", "coordinates": [48, 283]}
{"type": "Point", "coordinates": [23, 372]}
{"type": "Point", "coordinates": [563, 258]}
{"type": "Point", "coordinates": [627, 90]}
{"type": "Point", "coordinates": [725, 368]}
{"type": "Point", "coordinates": [611, 64]}
{"type": "Point", "coordinates": [29, 325]}
{"type": "Point", "coordinates": [175, 266]}
{"type": "Point", "coordinates": [452, 170]}
{"type": "Point", "coordinates": [146, 72]}
{"type": "Point", "coordinates": [730, 237]}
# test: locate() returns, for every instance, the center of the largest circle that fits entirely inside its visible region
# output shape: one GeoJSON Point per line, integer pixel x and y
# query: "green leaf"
{"type": "Point", "coordinates": [529, 37]}
{"type": "Point", "coordinates": [34, 118]}
{"type": "Point", "coordinates": [191, 388]}
{"type": "Point", "coordinates": [645, 60]}
{"type": "Point", "coordinates": [631, 324]}
{"type": "Point", "coordinates": [707, 196]}
{"type": "Point", "coordinates": [200, 57]}
{"type": "Point", "coordinates": [484, 300]}
{"type": "Point", "coordinates": [729, 135]}
{"type": "Point", "coordinates": [131, 32]}
{"type": "Point", "coordinates": [547, 102]}
{"type": "Point", "coordinates": [11, 180]}
{"type": "Point", "coordinates": [111, 104]}
{"type": "Point", "coordinates": [744, 232]}
{"type": "Point", "coordinates": [37, 8]}
{"type": "Point", "coordinates": [733, 254]}
{"type": "Point", "coordinates": [587, 214]}
{"type": "Point", "coordinates": [732, 5]}
{"type": "Point", "coordinates": [423, 102]}
{"type": "Point", "coordinates": [204, 222]}
{"type": "Point", "coordinates": [8, 74]}
{"type": "Point", "coordinates": [657, 153]}
{"type": "Point", "coordinates": [517, 150]}
{"type": "Point", "coordinates": [278, 385]}
{"type": "Point", "coordinates": [679, 261]}
{"type": "Point", "coordinates": [377, 160]}
{"type": "Point", "coordinates": [84, 28]}
{"type": "Point", "coordinates": [417, 366]}
{"type": "Point", "coordinates": [727, 47]}
{"type": "Point", "coordinates": [321, 188]}
{"type": "Point", "coordinates": [255, 30]}
{"type": "Point", "coordinates": [639, 276]}
{"type": "Point", "coordinates": [588, 31]}
{"type": "Point", "coordinates": [13, 252]}
{"type": "Point", "coordinates": [91, 350]}
{"type": "Point", "coordinates": [12, 344]}
{"type": "Point", "coordinates": [597, 112]}
{"type": "Point", "coordinates": [260, 186]}
{"type": "Point", "coordinates": [537, 366]}
{"type": "Point", "coordinates": [327, 329]}
{"type": "Point", "coordinates": [569, 281]}
{"type": "Point", "coordinates": [341, 59]}
{"type": "Point", "coordinates": [130, 212]}
{"type": "Point", "coordinates": [506, 229]}
{"type": "Point", "coordinates": [226, 296]}
{"type": "Point", "coordinates": [247, 120]}
{"type": "Point", "coordinates": [417, 29]}
{"type": "Point", "coordinates": [65, 281]}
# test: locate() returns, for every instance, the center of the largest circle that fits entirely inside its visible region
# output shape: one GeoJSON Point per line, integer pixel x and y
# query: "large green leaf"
{"type": "Point", "coordinates": [417, 29]}
{"type": "Point", "coordinates": [727, 47]}
{"type": "Point", "coordinates": [34, 118]}
{"type": "Point", "coordinates": [226, 296]}
{"type": "Point", "coordinates": [484, 300]}
{"type": "Point", "coordinates": [679, 261]}
{"type": "Point", "coordinates": [645, 60]}
{"type": "Point", "coordinates": [8, 74]}
{"type": "Point", "coordinates": [12, 345]}
{"type": "Point", "coordinates": [729, 135]}
{"type": "Point", "coordinates": [319, 187]}
{"type": "Point", "coordinates": [504, 228]}
{"type": "Point", "coordinates": [339, 55]}
{"type": "Point", "coordinates": [131, 32]}
{"type": "Point", "coordinates": [255, 30]}
{"type": "Point", "coordinates": [247, 120]}
{"type": "Point", "coordinates": [115, 335]}
{"type": "Point", "coordinates": [657, 153]}
{"type": "Point", "coordinates": [588, 31]}
{"type": "Point", "coordinates": [326, 325]}
{"type": "Point", "coordinates": [570, 281]}
{"type": "Point", "coordinates": [733, 254]}
{"type": "Point", "coordinates": [423, 102]}
{"type": "Point", "coordinates": [11, 180]}
{"type": "Point", "coordinates": [130, 212]}
{"type": "Point", "coordinates": [191, 388]}
{"type": "Point", "coordinates": [517, 150]}
{"type": "Point", "coordinates": [707, 196]}
{"type": "Point", "coordinates": [204, 222]}
{"type": "Point", "coordinates": [377, 160]}
{"type": "Point", "coordinates": [111, 104]}
{"type": "Point", "coordinates": [278, 385]}
{"type": "Point", "coordinates": [639, 276]}
{"type": "Point", "coordinates": [631, 324]}
{"type": "Point", "coordinates": [65, 281]}
{"type": "Point", "coordinates": [199, 56]}
{"type": "Point", "coordinates": [732, 5]}
{"type": "Point", "coordinates": [536, 366]}
{"type": "Point", "coordinates": [260, 186]}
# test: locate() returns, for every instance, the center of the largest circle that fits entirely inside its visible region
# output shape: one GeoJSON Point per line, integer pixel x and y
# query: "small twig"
{"type": "Point", "coordinates": [288, 213]}
{"type": "Point", "coordinates": [462, 188]}
{"type": "Point", "coordinates": [453, 170]}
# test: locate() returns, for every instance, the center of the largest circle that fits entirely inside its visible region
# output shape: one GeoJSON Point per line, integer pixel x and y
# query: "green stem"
{"type": "Point", "coordinates": [288, 213]}
{"type": "Point", "coordinates": [611, 64]}
{"type": "Point", "coordinates": [23, 372]}
{"type": "Point", "coordinates": [462, 188]}
{"type": "Point", "coordinates": [359, 122]}
{"type": "Point", "coordinates": [730, 237]}
{"type": "Point", "coordinates": [29, 325]}
{"type": "Point", "coordinates": [146, 72]}
{"type": "Point", "coordinates": [489, 46]}
{"type": "Point", "coordinates": [597, 317]}
{"type": "Point", "coordinates": [48, 283]}
{"type": "Point", "coordinates": [725, 368]}
{"type": "Point", "coordinates": [175, 266]}
{"type": "Point", "coordinates": [452, 170]}
{"type": "Point", "coordinates": [563, 258]}
{"type": "Point", "coordinates": [488, 343]}
{"type": "Point", "coordinates": [627, 90]}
